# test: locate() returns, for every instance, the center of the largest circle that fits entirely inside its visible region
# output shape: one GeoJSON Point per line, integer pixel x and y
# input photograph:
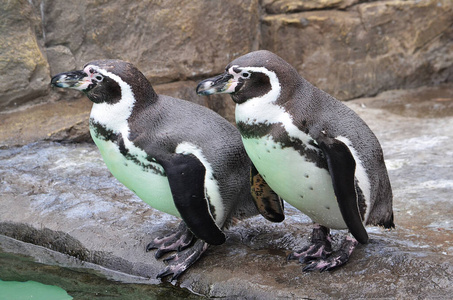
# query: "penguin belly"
{"type": "Point", "coordinates": [295, 179]}
{"type": "Point", "coordinates": [149, 184]}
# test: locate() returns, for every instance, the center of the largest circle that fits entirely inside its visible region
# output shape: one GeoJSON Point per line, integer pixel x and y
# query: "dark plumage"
{"type": "Point", "coordinates": [312, 150]}
{"type": "Point", "coordinates": [177, 156]}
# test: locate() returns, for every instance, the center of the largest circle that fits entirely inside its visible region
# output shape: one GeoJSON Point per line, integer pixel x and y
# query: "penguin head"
{"type": "Point", "coordinates": [104, 81]}
{"type": "Point", "coordinates": [249, 76]}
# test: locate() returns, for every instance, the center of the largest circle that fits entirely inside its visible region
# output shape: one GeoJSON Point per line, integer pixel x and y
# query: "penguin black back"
{"type": "Point", "coordinates": [312, 150]}
{"type": "Point", "coordinates": [177, 156]}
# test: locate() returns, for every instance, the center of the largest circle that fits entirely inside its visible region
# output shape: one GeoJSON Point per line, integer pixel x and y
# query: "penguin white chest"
{"type": "Point", "coordinates": [297, 180]}
{"type": "Point", "coordinates": [289, 173]}
{"type": "Point", "coordinates": [148, 182]}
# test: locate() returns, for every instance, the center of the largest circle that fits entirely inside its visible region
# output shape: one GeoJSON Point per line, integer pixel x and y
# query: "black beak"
{"type": "Point", "coordinates": [71, 79]}
{"type": "Point", "coordinates": [215, 85]}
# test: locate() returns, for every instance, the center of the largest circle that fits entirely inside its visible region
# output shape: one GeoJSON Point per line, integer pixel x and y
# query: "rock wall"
{"type": "Point", "coordinates": [24, 71]}
{"type": "Point", "coordinates": [366, 48]}
{"type": "Point", "coordinates": [349, 48]}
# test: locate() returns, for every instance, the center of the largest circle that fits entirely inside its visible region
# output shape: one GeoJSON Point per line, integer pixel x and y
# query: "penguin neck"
{"type": "Point", "coordinates": [143, 92]}
{"type": "Point", "coordinates": [111, 122]}
{"type": "Point", "coordinates": [144, 98]}
{"type": "Point", "coordinates": [266, 108]}
{"type": "Point", "coordinates": [276, 107]}
{"type": "Point", "coordinates": [262, 109]}
{"type": "Point", "coordinates": [134, 99]}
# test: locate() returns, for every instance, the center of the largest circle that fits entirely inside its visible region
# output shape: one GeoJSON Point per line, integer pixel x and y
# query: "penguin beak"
{"type": "Point", "coordinates": [223, 83]}
{"type": "Point", "coordinates": [78, 80]}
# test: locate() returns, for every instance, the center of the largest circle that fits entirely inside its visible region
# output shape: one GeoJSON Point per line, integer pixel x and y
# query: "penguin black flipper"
{"type": "Point", "coordinates": [186, 176]}
{"type": "Point", "coordinates": [342, 165]}
{"type": "Point", "coordinates": [268, 203]}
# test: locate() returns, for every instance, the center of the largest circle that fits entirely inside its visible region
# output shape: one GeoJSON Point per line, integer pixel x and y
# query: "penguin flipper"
{"type": "Point", "coordinates": [342, 165]}
{"type": "Point", "coordinates": [268, 203]}
{"type": "Point", "coordinates": [186, 175]}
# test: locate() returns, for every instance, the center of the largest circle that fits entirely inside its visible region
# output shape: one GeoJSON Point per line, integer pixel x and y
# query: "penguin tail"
{"type": "Point", "coordinates": [389, 224]}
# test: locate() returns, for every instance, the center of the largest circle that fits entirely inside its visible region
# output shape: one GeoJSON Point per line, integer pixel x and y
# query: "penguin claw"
{"type": "Point", "coordinates": [320, 248]}
{"type": "Point", "coordinates": [170, 258]}
{"type": "Point", "coordinates": [312, 252]}
{"type": "Point", "coordinates": [177, 241]}
{"type": "Point", "coordinates": [159, 253]}
{"type": "Point", "coordinates": [321, 265]}
{"type": "Point", "coordinates": [327, 264]}
{"type": "Point", "coordinates": [181, 261]}
{"type": "Point", "coordinates": [336, 259]}
{"type": "Point", "coordinates": [167, 271]}
{"type": "Point", "coordinates": [319, 255]}
{"type": "Point", "coordinates": [188, 250]}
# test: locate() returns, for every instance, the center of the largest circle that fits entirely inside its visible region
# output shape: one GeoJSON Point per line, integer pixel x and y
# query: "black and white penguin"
{"type": "Point", "coordinates": [312, 150]}
{"type": "Point", "coordinates": [179, 157]}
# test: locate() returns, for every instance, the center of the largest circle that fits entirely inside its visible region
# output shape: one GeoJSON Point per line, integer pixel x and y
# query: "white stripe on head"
{"type": "Point", "coordinates": [115, 116]}
{"type": "Point", "coordinates": [264, 110]}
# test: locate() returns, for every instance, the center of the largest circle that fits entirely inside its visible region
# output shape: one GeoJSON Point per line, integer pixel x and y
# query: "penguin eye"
{"type": "Point", "coordinates": [245, 75]}
{"type": "Point", "coordinates": [97, 78]}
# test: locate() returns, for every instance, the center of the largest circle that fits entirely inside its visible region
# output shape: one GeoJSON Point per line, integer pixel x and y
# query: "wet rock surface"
{"type": "Point", "coordinates": [72, 275]}
{"type": "Point", "coordinates": [61, 197]}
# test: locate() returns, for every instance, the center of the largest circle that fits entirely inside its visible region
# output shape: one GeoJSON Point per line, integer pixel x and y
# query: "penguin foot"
{"type": "Point", "coordinates": [312, 252]}
{"type": "Point", "coordinates": [321, 246]}
{"type": "Point", "coordinates": [182, 260]}
{"type": "Point", "coordinates": [336, 259]}
{"type": "Point", "coordinates": [176, 241]}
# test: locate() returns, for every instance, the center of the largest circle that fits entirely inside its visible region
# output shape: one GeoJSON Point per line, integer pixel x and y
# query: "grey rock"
{"type": "Point", "coordinates": [67, 120]}
{"type": "Point", "coordinates": [369, 48]}
{"type": "Point", "coordinates": [60, 59]}
{"type": "Point", "coordinates": [293, 6]}
{"type": "Point", "coordinates": [24, 72]}
{"type": "Point", "coordinates": [53, 121]}
{"type": "Point", "coordinates": [168, 40]}
{"type": "Point", "coordinates": [221, 104]}
{"type": "Point", "coordinates": [349, 48]}
{"type": "Point", "coordinates": [62, 197]}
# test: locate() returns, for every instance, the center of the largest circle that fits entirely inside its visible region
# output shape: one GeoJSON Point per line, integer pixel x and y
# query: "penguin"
{"type": "Point", "coordinates": [312, 150]}
{"type": "Point", "coordinates": [179, 157]}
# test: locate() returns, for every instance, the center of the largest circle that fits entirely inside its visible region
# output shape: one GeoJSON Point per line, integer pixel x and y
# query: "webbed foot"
{"type": "Point", "coordinates": [182, 260]}
{"type": "Point", "coordinates": [336, 259]}
{"type": "Point", "coordinates": [176, 241]}
{"type": "Point", "coordinates": [188, 250]}
{"type": "Point", "coordinates": [320, 248]}
{"type": "Point", "coordinates": [319, 255]}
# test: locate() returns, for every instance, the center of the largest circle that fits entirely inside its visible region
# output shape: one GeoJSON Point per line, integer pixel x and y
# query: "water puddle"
{"type": "Point", "coordinates": [81, 283]}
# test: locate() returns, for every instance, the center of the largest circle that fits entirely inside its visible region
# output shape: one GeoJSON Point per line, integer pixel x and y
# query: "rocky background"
{"type": "Point", "coordinates": [349, 48]}
{"type": "Point", "coordinates": [395, 56]}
